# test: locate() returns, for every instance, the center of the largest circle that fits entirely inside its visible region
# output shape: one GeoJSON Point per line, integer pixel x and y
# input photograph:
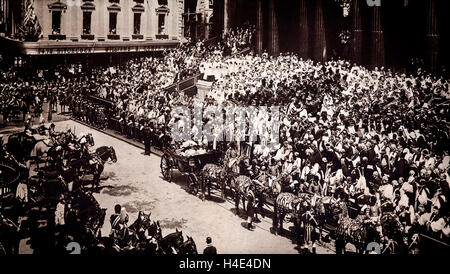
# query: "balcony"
{"type": "Point", "coordinates": [137, 36]}
{"type": "Point", "coordinates": [56, 37]}
{"type": "Point", "coordinates": [113, 37]}
{"type": "Point", "coordinates": [87, 37]}
{"type": "Point", "coordinates": [162, 36]}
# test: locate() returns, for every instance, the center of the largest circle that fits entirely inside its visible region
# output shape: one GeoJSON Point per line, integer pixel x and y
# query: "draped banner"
{"type": "Point", "coordinates": [30, 29]}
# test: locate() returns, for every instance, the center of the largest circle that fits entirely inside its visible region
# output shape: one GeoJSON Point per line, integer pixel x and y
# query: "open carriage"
{"type": "Point", "coordinates": [189, 162]}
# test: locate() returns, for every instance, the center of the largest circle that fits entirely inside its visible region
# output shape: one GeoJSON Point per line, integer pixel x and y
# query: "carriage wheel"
{"type": "Point", "coordinates": [193, 183]}
{"type": "Point", "coordinates": [166, 168]}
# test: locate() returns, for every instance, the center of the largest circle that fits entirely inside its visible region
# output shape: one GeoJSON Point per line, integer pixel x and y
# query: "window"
{"type": "Point", "coordinates": [211, 4]}
{"type": "Point", "coordinates": [56, 22]}
{"type": "Point", "coordinates": [137, 23]}
{"type": "Point", "coordinates": [112, 22]}
{"type": "Point", "coordinates": [87, 22]}
{"type": "Point", "coordinates": [162, 2]}
{"type": "Point", "coordinates": [161, 23]}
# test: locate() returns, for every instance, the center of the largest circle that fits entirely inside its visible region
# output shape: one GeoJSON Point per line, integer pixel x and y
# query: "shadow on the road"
{"type": "Point", "coordinates": [178, 179]}
{"type": "Point", "coordinates": [173, 223]}
{"type": "Point", "coordinates": [241, 214]}
{"type": "Point", "coordinates": [214, 198]}
{"type": "Point", "coordinates": [122, 190]}
{"type": "Point", "coordinates": [136, 206]}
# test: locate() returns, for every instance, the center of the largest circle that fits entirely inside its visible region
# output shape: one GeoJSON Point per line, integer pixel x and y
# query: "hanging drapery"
{"type": "Point", "coordinates": [29, 29]}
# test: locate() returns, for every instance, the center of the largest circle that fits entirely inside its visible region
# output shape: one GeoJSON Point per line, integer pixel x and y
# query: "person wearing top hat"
{"type": "Point", "coordinates": [210, 249]}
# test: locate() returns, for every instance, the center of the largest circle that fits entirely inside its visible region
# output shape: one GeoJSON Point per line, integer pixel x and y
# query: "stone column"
{"type": "Point", "coordinates": [273, 30]}
{"type": "Point", "coordinates": [432, 36]}
{"type": "Point", "coordinates": [377, 55]}
{"type": "Point", "coordinates": [259, 28]}
{"type": "Point", "coordinates": [320, 45]}
{"type": "Point", "coordinates": [303, 30]}
{"type": "Point", "coordinates": [357, 32]}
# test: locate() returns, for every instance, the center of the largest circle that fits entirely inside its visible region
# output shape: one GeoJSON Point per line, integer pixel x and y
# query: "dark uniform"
{"type": "Point", "coordinates": [210, 249]}
{"type": "Point", "coordinates": [147, 139]}
{"type": "Point", "coordinates": [250, 211]}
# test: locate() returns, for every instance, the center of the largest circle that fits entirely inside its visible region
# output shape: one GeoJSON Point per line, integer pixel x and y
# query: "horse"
{"type": "Point", "coordinates": [288, 204]}
{"type": "Point", "coordinates": [327, 213]}
{"type": "Point", "coordinates": [273, 186]}
{"type": "Point", "coordinates": [55, 154]}
{"type": "Point", "coordinates": [106, 153]}
{"type": "Point", "coordinates": [212, 173]}
{"type": "Point", "coordinates": [171, 243]}
{"type": "Point", "coordinates": [391, 228]}
{"type": "Point", "coordinates": [188, 247]}
{"type": "Point", "coordinates": [20, 146]}
{"type": "Point", "coordinates": [144, 228]}
{"type": "Point", "coordinates": [41, 148]}
{"type": "Point", "coordinates": [97, 162]}
{"type": "Point", "coordinates": [87, 213]}
{"type": "Point", "coordinates": [243, 187]}
{"type": "Point", "coordinates": [141, 237]}
{"type": "Point", "coordinates": [359, 231]}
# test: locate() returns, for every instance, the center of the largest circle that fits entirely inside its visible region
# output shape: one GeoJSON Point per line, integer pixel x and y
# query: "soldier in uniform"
{"type": "Point", "coordinates": [147, 139]}
{"type": "Point", "coordinates": [123, 123]}
{"type": "Point", "coordinates": [130, 125]}
{"type": "Point", "coordinates": [250, 210]}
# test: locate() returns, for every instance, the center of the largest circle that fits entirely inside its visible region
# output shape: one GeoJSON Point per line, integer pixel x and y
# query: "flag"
{"type": "Point", "coordinates": [30, 28]}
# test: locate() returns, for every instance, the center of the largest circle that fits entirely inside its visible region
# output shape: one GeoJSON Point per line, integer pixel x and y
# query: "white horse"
{"type": "Point", "coordinates": [40, 150]}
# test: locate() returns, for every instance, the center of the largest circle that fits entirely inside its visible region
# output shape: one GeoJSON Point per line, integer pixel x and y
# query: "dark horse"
{"type": "Point", "coordinates": [172, 243]}
{"type": "Point", "coordinates": [188, 247]}
{"type": "Point", "coordinates": [142, 236]}
{"type": "Point", "coordinates": [86, 217]}
{"type": "Point", "coordinates": [98, 160]}
{"type": "Point", "coordinates": [20, 146]}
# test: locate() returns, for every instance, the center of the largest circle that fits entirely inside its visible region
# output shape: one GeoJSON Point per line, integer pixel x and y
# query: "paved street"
{"type": "Point", "coordinates": [138, 185]}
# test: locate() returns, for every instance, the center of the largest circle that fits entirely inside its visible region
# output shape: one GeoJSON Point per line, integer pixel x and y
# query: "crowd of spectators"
{"type": "Point", "coordinates": [377, 136]}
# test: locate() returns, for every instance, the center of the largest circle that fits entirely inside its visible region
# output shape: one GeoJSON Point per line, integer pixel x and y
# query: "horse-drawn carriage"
{"type": "Point", "coordinates": [189, 162]}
